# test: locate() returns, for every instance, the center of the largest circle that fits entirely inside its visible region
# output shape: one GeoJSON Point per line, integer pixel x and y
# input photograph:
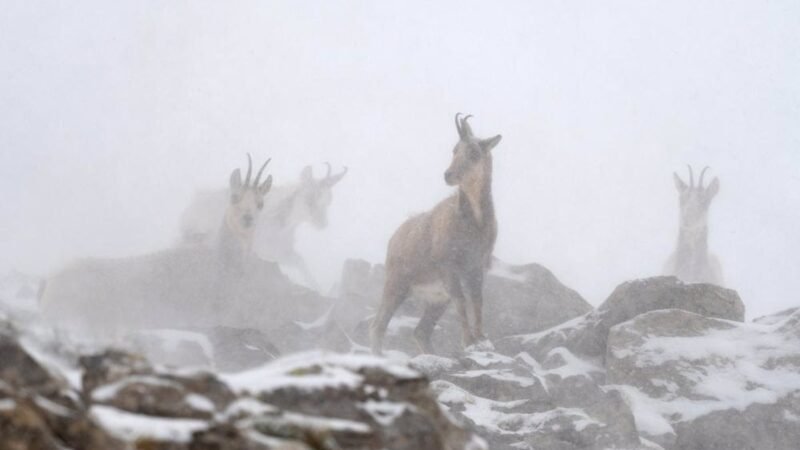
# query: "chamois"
{"type": "Point", "coordinates": [691, 260]}
{"type": "Point", "coordinates": [286, 208]}
{"type": "Point", "coordinates": [447, 250]}
{"type": "Point", "coordinates": [173, 287]}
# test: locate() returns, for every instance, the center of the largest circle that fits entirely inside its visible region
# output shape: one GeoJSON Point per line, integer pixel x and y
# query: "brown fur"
{"type": "Point", "coordinates": [450, 246]}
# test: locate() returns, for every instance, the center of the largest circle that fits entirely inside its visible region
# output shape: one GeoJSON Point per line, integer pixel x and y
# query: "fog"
{"type": "Point", "coordinates": [114, 113]}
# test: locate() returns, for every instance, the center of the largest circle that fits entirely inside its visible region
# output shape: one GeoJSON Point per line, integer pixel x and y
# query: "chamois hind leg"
{"type": "Point", "coordinates": [394, 293]}
{"type": "Point", "coordinates": [424, 329]}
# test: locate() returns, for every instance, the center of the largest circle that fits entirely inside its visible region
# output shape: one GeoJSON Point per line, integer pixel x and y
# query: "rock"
{"type": "Point", "coordinates": [586, 335]}
{"type": "Point", "coordinates": [700, 382]}
{"type": "Point", "coordinates": [527, 299]}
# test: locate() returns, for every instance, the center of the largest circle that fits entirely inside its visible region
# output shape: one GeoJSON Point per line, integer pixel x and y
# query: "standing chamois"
{"type": "Point", "coordinates": [447, 250]}
{"type": "Point", "coordinates": [171, 288]}
{"type": "Point", "coordinates": [691, 261]}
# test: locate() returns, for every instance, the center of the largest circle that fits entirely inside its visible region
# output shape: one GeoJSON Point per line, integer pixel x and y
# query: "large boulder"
{"type": "Point", "coordinates": [701, 382]}
{"type": "Point", "coordinates": [587, 335]}
{"type": "Point", "coordinates": [517, 299]}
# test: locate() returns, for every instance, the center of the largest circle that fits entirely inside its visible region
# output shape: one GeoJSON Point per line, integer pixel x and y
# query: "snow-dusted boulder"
{"type": "Point", "coordinates": [517, 403]}
{"type": "Point", "coordinates": [701, 382]}
{"type": "Point", "coordinates": [586, 335]}
{"type": "Point", "coordinates": [517, 299]}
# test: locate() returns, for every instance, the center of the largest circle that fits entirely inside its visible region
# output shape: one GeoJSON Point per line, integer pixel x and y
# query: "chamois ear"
{"type": "Point", "coordinates": [490, 143]}
{"type": "Point", "coordinates": [679, 184]}
{"type": "Point", "coordinates": [265, 186]}
{"type": "Point", "coordinates": [306, 174]}
{"type": "Point", "coordinates": [236, 181]}
{"type": "Point", "coordinates": [713, 188]}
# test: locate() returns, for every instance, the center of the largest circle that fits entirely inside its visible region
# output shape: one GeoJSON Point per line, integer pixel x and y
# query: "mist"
{"type": "Point", "coordinates": [114, 114]}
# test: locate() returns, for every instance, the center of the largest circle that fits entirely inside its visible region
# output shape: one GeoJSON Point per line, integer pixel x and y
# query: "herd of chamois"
{"type": "Point", "coordinates": [439, 256]}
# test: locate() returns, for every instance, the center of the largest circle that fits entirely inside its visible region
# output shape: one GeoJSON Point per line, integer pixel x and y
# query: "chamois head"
{"type": "Point", "coordinates": [246, 199]}
{"type": "Point", "coordinates": [695, 200]}
{"type": "Point", "coordinates": [314, 196]}
{"type": "Point", "coordinates": [472, 157]}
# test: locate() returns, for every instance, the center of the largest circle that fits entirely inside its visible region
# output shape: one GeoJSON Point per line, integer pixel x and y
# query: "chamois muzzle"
{"type": "Point", "coordinates": [450, 178]}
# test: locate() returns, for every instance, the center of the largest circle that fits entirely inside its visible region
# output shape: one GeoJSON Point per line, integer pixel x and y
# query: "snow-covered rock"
{"type": "Point", "coordinates": [702, 382]}
{"type": "Point", "coordinates": [586, 335]}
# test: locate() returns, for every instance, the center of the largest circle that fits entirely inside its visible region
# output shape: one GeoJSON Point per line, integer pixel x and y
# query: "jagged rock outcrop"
{"type": "Point", "coordinates": [587, 335]}
{"type": "Point", "coordinates": [703, 382]}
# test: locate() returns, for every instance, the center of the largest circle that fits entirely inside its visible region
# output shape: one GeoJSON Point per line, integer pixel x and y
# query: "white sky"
{"type": "Point", "coordinates": [112, 113]}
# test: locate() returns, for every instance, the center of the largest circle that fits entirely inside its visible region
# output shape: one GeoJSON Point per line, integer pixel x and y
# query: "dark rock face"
{"type": "Point", "coordinates": [517, 299]}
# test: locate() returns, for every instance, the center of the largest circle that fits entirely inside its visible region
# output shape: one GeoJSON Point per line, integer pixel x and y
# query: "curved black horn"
{"type": "Point", "coordinates": [465, 128]}
{"type": "Point", "coordinates": [458, 126]}
{"type": "Point", "coordinates": [261, 170]}
{"type": "Point", "coordinates": [691, 176]}
{"type": "Point", "coordinates": [328, 174]}
{"type": "Point", "coordinates": [700, 183]}
{"type": "Point", "coordinates": [249, 170]}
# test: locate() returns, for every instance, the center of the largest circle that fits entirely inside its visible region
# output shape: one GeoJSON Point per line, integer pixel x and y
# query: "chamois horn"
{"type": "Point", "coordinates": [258, 175]}
{"type": "Point", "coordinates": [691, 176]}
{"type": "Point", "coordinates": [249, 170]}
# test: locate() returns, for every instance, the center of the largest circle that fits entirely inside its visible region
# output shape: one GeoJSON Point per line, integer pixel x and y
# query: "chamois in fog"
{"type": "Point", "coordinates": [286, 208]}
{"type": "Point", "coordinates": [691, 261]}
{"type": "Point", "coordinates": [167, 288]}
{"type": "Point", "coordinates": [443, 254]}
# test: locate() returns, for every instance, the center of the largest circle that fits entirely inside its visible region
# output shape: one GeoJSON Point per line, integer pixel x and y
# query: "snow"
{"type": "Point", "coordinates": [385, 413]}
{"type": "Point", "coordinates": [109, 391]}
{"type": "Point", "coordinates": [492, 415]}
{"type": "Point", "coordinates": [130, 427]}
{"type": "Point", "coordinates": [507, 271]}
{"type": "Point", "coordinates": [487, 358]}
{"type": "Point", "coordinates": [171, 340]}
{"type": "Point", "coordinates": [500, 374]}
{"type": "Point", "coordinates": [428, 363]}
{"type": "Point", "coordinates": [561, 329]}
{"type": "Point", "coordinates": [319, 323]}
{"type": "Point", "coordinates": [324, 423]}
{"type": "Point", "coordinates": [200, 402]}
{"type": "Point", "coordinates": [572, 366]}
{"type": "Point", "coordinates": [7, 404]}
{"type": "Point", "coordinates": [314, 370]}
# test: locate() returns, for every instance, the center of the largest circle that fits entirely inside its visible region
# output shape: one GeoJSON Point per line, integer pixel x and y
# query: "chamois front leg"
{"type": "Point", "coordinates": [433, 312]}
{"type": "Point", "coordinates": [473, 287]}
{"type": "Point", "coordinates": [461, 309]}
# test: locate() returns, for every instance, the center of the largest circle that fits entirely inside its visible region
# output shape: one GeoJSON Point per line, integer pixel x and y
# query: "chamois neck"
{"type": "Point", "coordinates": [232, 247]}
{"type": "Point", "coordinates": [692, 243]}
{"type": "Point", "coordinates": [478, 193]}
